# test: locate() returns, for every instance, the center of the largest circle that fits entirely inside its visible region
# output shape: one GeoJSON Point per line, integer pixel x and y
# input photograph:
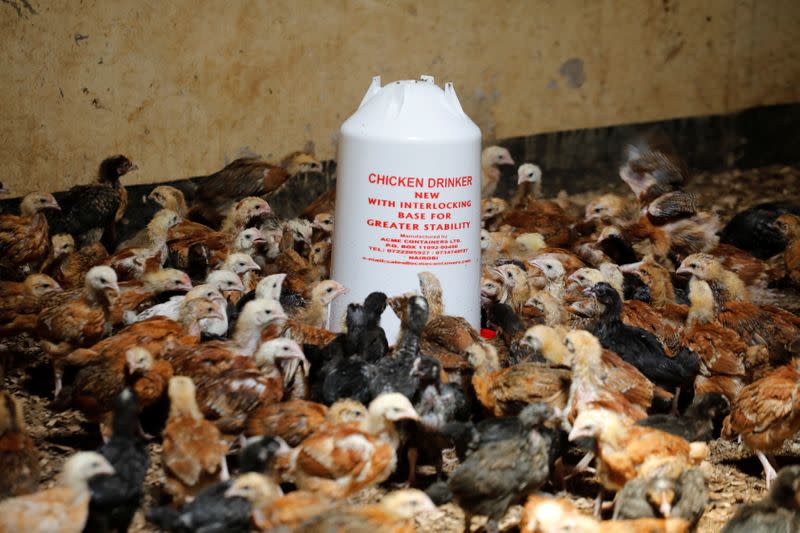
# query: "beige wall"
{"type": "Point", "coordinates": [182, 85]}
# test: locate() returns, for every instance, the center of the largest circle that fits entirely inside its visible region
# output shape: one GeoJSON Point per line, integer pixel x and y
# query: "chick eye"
{"type": "Point", "coordinates": [597, 209]}
{"type": "Point", "coordinates": [241, 264]}
{"type": "Point", "coordinates": [329, 290]}
{"type": "Point", "coordinates": [693, 265]}
{"type": "Point", "coordinates": [103, 280]}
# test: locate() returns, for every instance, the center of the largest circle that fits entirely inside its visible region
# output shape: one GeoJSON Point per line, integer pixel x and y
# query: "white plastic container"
{"type": "Point", "coordinates": [408, 199]}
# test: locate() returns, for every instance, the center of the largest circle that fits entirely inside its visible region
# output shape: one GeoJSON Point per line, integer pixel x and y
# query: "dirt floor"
{"type": "Point", "coordinates": [734, 475]}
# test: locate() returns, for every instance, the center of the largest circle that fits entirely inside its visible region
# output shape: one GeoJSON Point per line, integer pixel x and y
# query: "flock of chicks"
{"type": "Point", "coordinates": [625, 330]}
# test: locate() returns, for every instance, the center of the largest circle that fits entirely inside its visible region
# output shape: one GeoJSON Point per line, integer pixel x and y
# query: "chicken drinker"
{"type": "Point", "coordinates": [408, 199]}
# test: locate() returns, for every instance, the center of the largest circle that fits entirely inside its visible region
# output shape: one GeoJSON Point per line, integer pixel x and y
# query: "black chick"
{"type": "Point", "coordinates": [467, 437]}
{"type": "Point", "coordinates": [502, 473]}
{"type": "Point", "coordinates": [634, 288]}
{"type": "Point", "coordinates": [115, 498]}
{"type": "Point", "coordinates": [394, 372]}
{"type": "Point", "coordinates": [89, 212]}
{"type": "Point", "coordinates": [664, 497]}
{"type": "Point", "coordinates": [343, 372]}
{"type": "Point", "coordinates": [778, 512]}
{"type": "Point", "coordinates": [752, 229]}
{"type": "Point", "coordinates": [617, 248]}
{"type": "Point", "coordinates": [437, 404]}
{"type": "Point", "coordinates": [640, 347]}
{"type": "Point", "coordinates": [372, 344]}
{"type": "Point", "coordinates": [510, 328]}
{"type": "Point", "coordinates": [210, 510]}
{"type": "Point", "coordinates": [702, 421]}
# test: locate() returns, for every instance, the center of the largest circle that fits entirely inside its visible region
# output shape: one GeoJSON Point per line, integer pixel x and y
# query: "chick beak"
{"type": "Point", "coordinates": [279, 315]}
{"type": "Point", "coordinates": [232, 492]}
{"type": "Point", "coordinates": [184, 285]}
{"type": "Point", "coordinates": [254, 267]}
{"type": "Point", "coordinates": [537, 263]}
{"type": "Point", "coordinates": [683, 271]}
{"type": "Point", "coordinates": [588, 291]}
{"type": "Point", "coordinates": [4, 189]}
{"type": "Point", "coordinates": [106, 470]}
{"type": "Point", "coordinates": [259, 240]}
{"type": "Point", "coordinates": [579, 433]}
{"type": "Point", "coordinates": [407, 413]}
{"type": "Point", "coordinates": [507, 160]}
{"type": "Point", "coordinates": [665, 506]}
{"type": "Point", "coordinates": [133, 167]}
{"type": "Point", "coordinates": [340, 291]}
{"type": "Point", "coordinates": [216, 314]}
{"type": "Point", "coordinates": [630, 267]}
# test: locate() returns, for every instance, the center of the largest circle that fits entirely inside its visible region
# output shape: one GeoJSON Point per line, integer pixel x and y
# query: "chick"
{"type": "Point", "coordinates": [90, 212]}
{"type": "Point", "coordinates": [664, 496]}
{"type": "Point", "coordinates": [395, 513]}
{"type": "Point", "coordinates": [25, 239]}
{"type": "Point", "coordinates": [766, 413]}
{"type": "Point", "coordinates": [502, 473]}
{"type": "Point", "coordinates": [193, 450]}
{"type": "Point", "coordinates": [80, 322]}
{"type": "Point", "coordinates": [19, 457]}
{"type": "Point", "coordinates": [322, 294]}
{"type": "Point", "coordinates": [230, 510]}
{"type": "Point", "coordinates": [63, 508]}
{"type": "Point", "coordinates": [116, 498]}
{"type": "Point", "coordinates": [342, 459]}
{"type": "Point", "coordinates": [20, 303]}
{"type": "Point", "coordinates": [752, 229]}
{"type": "Point", "coordinates": [789, 226]}
{"type": "Point", "coordinates": [700, 422]}
{"type": "Point", "coordinates": [491, 158]}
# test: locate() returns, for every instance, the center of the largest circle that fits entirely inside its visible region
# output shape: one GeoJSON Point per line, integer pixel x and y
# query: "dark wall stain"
{"type": "Point", "coordinates": [22, 7]}
{"type": "Point", "coordinates": [572, 71]}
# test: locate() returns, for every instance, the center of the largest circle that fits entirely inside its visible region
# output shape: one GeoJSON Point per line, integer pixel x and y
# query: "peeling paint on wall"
{"type": "Point", "coordinates": [572, 71]}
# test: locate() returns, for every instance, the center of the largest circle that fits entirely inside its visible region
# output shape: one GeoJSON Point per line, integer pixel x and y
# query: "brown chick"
{"type": "Point", "coordinates": [193, 450]}
{"type": "Point", "coordinates": [766, 413]}
{"type": "Point", "coordinates": [445, 337]}
{"type": "Point", "coordinates": [243, 177]}
{"type": "Point", "coordinates": [230, 391]}
{"type": "Point", "coordinates": [19, 457]}
{"type": "Point", "coordinates": [662, 291]}
{"type": "Point", "coordinates": [516, 289]}
{"type": "Point", "coordinates": [81, 322]}
{"type": "Point", "coordinates": [61, 246]}
{"type": "Point", "coordinates": [169, 198]}
{"type": "Point", "coordinates": [24, 238]}
{"type": "Point", "coordinates": [315, 313]}
{"type": "Point", "coordinates": [97, 384]}
{"type": "Point", "coordinates": [70, 271]}
{"type": "Point", "coordinates": [63, 508]}
{"type": "Point", "coordinates": [296, 420]}
{"type": "Point", "coordinates": [789, 226]}
{"type": "Point", "coordinates": [394, 514]}
{"type": "Point", "coordinates": [626, 451]}
{"type": "Point", "coordinates": [588, 390]}
{"type": "Point", "coordinates": [727, 286]}
{"type": "Point", "coordinates": [146, 251]}
{"type": "Point", "coordinates": [271, 509]}
{"type": "Point", "coordinates": [722, 352]}
{"type": "Point", "coordinates": [491, 158]}
{"type": "Point", "coordinates": [616, 374]}
{"type": "Point", "coordinates": [343, 459]}
{"type": "Point", "coordinates": [20, 303]}
{"type": "Point", "coordinates": [505, 391]}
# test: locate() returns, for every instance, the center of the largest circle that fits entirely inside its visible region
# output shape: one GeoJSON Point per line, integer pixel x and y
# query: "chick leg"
{"type": "Point", "coordinates": [224, 475]}
{"type": "Point", "coordinates": [582, 466]}
{"type": "Point", "coordinates": [467, 522]}
{"type": "Point", "coordinates": [769, 472]}
{"type": "Point", "coordinates": [598, 502]}
{"type": "Point", "coordinates": [674, 411]}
